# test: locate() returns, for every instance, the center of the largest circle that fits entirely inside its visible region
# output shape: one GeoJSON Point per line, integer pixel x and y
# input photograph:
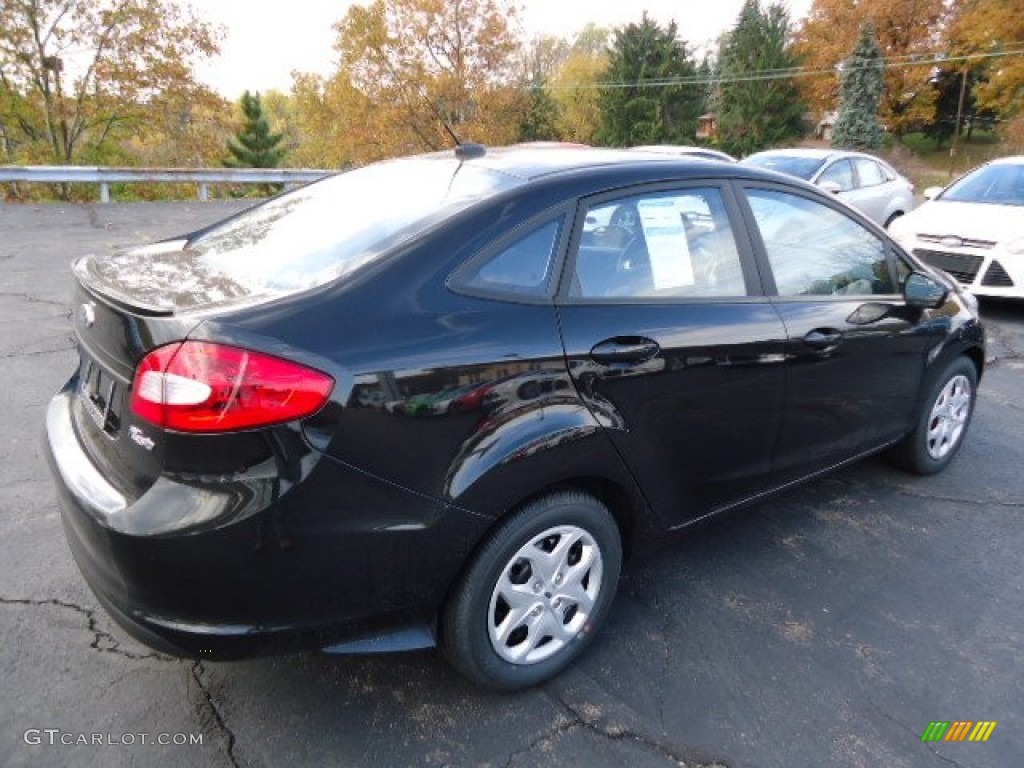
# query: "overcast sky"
{"type": "Point", "coordinates": [265, 42]}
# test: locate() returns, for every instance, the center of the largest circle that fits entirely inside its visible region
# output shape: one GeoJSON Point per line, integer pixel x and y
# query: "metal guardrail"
{"type": "Point", "coordinates": [80, 174]}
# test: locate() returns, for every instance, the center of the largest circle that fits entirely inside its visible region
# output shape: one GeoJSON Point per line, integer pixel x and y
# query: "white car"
{"type": "Point", "coordinates": [687, 151]}
{"type": "Point", "coordinates": [870, 185]}
{"type": "Point", "coordinates": [973, 229]}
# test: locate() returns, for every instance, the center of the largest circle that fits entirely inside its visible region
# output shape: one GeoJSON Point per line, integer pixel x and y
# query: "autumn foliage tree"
{"type": "Point", "coordinates": [909, 34]}
{"type": "Point", "coordinates": [76, 74]}
{"type": "Point", "coordinates": [993, 32]}
{"type": "Point", "coordinates": [414, 66]}
{"type": "Point", "coordinates": [575, 86]}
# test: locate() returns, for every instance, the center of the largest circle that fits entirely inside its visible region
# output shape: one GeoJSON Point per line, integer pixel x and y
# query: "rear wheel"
{"type": "Point", "coordinates": [535, 594]}
{"type": "Point", "coordinates": [943, 422]}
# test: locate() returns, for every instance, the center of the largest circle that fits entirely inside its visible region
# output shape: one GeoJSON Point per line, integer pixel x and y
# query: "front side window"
{"type": "Point", "coordinates": [839, 173]}
{"type": "Point", "coordinates": [815, 250]}
{"type": "Point", "coordinates": [674, 244]}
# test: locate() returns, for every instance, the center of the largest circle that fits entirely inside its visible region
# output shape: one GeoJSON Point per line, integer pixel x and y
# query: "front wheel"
{"type": "Point", "coordinates": [943, 422]}
{"type": "Point", "coordinates": [534, 595]}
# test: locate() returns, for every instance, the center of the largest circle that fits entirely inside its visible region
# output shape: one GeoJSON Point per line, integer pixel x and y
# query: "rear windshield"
{"type": "Point", "coordinates": [801, 167]}
{"type": "Point", "coordinates": [321, 232]}
{"type": "Point", "coordinates": [1001, 184]}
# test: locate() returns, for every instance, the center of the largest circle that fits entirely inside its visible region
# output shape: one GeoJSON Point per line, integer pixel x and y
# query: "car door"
{"type": "Point", "coordinates": [840, 178]}
{"type": "Point", "coordinates": [873, 189]}
{"type": "Point", "coordinates": [672, 345]}
{"type": "Point", "coordinates": [855, 350]}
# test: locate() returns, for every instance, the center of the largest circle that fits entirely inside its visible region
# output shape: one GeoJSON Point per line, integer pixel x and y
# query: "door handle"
{"type": "Point", "coordinates": [823, 339]}
{"type": "Point", "coordinates": [628, 350]}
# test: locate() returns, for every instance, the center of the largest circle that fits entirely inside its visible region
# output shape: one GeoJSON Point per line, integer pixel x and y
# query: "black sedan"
{"type": "Point", "coordinates": [437, 400]}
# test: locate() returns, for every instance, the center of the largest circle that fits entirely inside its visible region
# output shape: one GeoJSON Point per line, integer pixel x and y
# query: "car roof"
{"type": "Point", "coordinates": [683, 149]}
{"type": "Point", "coordinates": [811, 153]}
{"type": "Point", "coordinates": [531, 161]}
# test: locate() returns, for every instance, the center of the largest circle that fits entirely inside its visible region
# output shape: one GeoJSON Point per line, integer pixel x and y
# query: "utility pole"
{"type": "Point", "coordinates": [959, 118]}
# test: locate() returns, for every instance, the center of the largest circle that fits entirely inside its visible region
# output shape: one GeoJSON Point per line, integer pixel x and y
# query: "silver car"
{"type": "Point", "coordinates": [863, 181]}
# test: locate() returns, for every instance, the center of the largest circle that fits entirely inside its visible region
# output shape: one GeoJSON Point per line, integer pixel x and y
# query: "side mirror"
{"type": "Point", "coordinates": [831, 187]}
{"type": "Point", "coordinates": [930, 193]}
{"type": "Point", "coordinates": [924, 292]}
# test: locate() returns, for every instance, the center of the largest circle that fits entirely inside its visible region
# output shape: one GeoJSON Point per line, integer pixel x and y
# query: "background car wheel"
{"type": "Point", "coordinates": [943, 422]}
{"type": "Point", "coordinates": [534, 595]}
{"type": "Point", "coordinates": [892, 218]}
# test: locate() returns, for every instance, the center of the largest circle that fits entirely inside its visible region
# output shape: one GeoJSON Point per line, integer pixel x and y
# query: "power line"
{"type": "Point", "coordinates": [904, 61]}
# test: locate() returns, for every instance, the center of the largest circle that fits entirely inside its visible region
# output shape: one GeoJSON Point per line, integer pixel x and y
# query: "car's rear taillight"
{"type": "Point", "coordinates": [198, 386]}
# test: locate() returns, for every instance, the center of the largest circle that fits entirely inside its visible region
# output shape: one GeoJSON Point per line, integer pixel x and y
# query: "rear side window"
{"type": "Point", "coordinates": [521, 268]}
{"type": "Point", "coordinates": [870, 173]}
{"type": "Point", "coordinates": [675, 244]}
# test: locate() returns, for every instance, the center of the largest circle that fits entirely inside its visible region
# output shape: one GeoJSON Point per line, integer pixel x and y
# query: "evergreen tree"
{"type": "Point", "coordinates": [860, 92]}
{"type": "Point", "coordinates": [541, 121]}
{"type": "Point", "coordinates": [640, 107]}
{"type": "Point", "coordinates": [756, 111]}
{"type": "Point", "coordinates": [254, 146]}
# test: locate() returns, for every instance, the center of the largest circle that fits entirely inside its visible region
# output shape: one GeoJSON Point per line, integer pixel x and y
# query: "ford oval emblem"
{"type": "Point", "coordinates": [88, 312]}
{"type": "Point", "coordinates": [952, 241]}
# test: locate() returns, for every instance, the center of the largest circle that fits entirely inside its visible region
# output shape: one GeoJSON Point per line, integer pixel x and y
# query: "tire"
{"type": "Point", "coordinates": [891, 219]}
{"type": "Point", "coordinates": [534, 595]}
{"type": "Point", "coordinates": [943, 422]}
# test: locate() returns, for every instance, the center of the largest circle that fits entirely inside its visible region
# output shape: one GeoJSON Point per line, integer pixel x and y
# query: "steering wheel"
{"type": "Point", "coordinates": [626, 217]}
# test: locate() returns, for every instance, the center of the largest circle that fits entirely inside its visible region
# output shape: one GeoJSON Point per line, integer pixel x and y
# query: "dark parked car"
{"type": "Point", "coordinates": [438, 399]}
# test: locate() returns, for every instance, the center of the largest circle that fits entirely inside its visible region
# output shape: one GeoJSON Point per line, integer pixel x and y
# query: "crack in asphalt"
{"type": "Point", "coordinates": [102, 641]}
{"type": "Point", "coordinates": [578, 720]}
{"type": "Point", "coordinates": [37, 353]}
{"type": "Point", "coordinates": [891, 718]}
{"type": "Point", "coordinates": [33, 299]}
{"type": "Point", "coordinates": [214, 715]}
{"type": "Point", "coordinates": [957, 500]}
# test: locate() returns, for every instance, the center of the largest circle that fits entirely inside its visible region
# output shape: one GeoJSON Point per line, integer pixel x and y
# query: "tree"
{"type": "Point", "coordinates": [575, 86]}
{"type": "Point", "coordinates": [908, 33]}
{"type": "Point", "coordinates": [647, 99]}
{"type": "Point", "coordinates": [991, 29]}
{"type": "Point", "coordinates": [541, 59]}
{"type": "Point", "coordinates": [756, 110]}
{"type": "Point", "coordinates": [541, 120]}
{"type": "Point", "coordinates": [254, 146]}
{"type": "Point", "coordinates": [334, 124]}
{"type": "Point", "coordinates": [74, 72]}
{"type": "Point", "coordinates": [860, 92]}
{"type": "Point", "coordinates": [424, 64]}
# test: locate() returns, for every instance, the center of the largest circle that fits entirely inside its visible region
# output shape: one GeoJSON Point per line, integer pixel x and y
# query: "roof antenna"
{"type": "Point", "coordinates": [451, 132]}
{"type": "Point", "coordinates": [465, 151]}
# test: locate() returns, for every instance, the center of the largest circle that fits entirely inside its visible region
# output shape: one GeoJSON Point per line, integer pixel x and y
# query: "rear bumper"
{"type": "Point", "coordinates": [338, 557]}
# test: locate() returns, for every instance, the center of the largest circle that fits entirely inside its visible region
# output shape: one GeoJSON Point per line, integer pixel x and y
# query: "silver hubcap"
{"type": "Point", "coordinates": [545, 595]}
{"type": "Point", "coordinates": [949, 417]}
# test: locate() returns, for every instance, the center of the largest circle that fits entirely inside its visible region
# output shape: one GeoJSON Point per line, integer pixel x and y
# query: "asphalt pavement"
{"type": "Point", "coordinates": [827, 627]}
